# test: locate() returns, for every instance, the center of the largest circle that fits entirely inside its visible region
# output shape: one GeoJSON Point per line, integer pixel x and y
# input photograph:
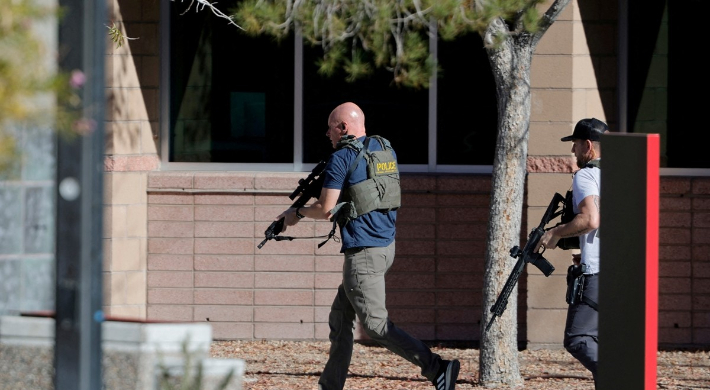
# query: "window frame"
{"type": "Point", "coordinates": [297, 165]}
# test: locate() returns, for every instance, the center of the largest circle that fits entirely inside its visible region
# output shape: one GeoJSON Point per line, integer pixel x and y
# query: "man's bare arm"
{"type": "Point", "coordinates": [320, 209]}
{"type": "Point", "coordinates": [584, 222]}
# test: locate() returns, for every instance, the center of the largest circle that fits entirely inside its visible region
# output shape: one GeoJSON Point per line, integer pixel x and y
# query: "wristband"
{"type": "Point", "coordinates": [299, 215]}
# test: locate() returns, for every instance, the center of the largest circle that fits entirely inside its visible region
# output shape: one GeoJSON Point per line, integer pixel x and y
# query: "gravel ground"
{"type": "Point", "coordinates": [276, 365]}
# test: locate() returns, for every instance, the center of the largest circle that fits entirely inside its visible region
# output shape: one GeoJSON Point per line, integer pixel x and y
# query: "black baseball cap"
{"type": "Point", "coordinates": [589, 128]}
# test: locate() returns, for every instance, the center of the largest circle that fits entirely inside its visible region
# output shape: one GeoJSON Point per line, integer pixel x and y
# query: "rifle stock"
{"type": "Point", "coordinates": [308, 188]}
{"type": "Point", "coordinates": [527, 255]}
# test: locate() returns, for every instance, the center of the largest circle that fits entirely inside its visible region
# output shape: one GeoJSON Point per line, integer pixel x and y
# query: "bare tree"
{"type": "Point", "coordinates": [355, 35]}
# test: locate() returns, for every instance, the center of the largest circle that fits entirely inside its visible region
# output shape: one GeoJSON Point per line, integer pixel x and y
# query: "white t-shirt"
{"type": "Point", "coordinates": [586, 182]}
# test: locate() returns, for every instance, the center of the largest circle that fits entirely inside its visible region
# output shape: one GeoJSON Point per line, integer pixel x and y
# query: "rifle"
{"type": "Point", "coordinates": [527, 255]}
{"type": "Point", "coordinates": [310, 187]}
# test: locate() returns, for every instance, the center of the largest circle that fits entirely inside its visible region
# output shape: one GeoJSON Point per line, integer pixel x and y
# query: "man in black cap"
{"type": "Point", "coordinates": [581, 331]}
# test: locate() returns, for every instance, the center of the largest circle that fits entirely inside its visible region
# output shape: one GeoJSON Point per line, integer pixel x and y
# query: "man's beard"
{"type": "Point", "coordinates": [584, 159]}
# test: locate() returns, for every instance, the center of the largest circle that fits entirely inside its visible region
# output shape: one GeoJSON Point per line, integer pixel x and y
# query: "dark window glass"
{"type": "Point", "coordinates": [396, 113]}
{"type": "Point", "coordinates": [467, 113]}
{"type": "Point", "coordinates": [687, 84]}
{"type": "Point", "coordinates": [231, 96]}
{"type": "Point", "coordinates": [664, 77]}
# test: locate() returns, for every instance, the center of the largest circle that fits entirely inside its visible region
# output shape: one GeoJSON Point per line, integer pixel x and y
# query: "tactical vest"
{"type": "Point", "coordinates": [381, 190]}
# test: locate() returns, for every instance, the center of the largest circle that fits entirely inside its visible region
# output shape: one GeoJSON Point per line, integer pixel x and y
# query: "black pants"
{"type": "Point", "coordinates": [581, 330]}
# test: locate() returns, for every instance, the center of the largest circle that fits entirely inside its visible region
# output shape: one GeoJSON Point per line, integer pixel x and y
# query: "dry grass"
{"type": "Point", "coordinates": [276, 365]}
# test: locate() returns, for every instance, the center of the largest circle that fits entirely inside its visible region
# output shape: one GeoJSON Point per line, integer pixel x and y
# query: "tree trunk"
{"type": "Point", "coordinates": [499, 347]}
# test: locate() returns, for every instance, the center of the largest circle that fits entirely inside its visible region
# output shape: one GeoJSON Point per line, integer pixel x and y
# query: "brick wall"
{"type": "Point", "coordinates": [203, 263]}
{"type": "Point", "coordinates": [684, 301]}
{"type": "Point", "coordinates": [434, 289]}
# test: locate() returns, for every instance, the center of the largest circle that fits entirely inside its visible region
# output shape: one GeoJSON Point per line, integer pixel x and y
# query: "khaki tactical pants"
{"type": "Point", "coordinates": [362, 293]}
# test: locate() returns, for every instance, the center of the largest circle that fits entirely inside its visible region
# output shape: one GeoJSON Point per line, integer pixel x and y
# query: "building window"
{"type": "Point", "coordinates": [231, 96]}
{"type": "Point", "coordinates": [663, 67]}
{"type": "Point", "coordinates": [242, 103]}
{"type": "Point", "coordinates": [467, 108]}
{"type": "Point", "coordinates": [398, 114]}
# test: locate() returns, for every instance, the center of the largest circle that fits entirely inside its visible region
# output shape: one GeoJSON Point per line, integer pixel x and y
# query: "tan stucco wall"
{"type": "Point", "coordinates": [565, 89]}
{"type": "Point", "coordinates": [132, 79]}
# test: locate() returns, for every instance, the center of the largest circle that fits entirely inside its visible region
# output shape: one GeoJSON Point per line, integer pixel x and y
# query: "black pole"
{"type": "Point", "coordinates": [622, 93]}
{"type": "Point", "coordinates": [79, 252]}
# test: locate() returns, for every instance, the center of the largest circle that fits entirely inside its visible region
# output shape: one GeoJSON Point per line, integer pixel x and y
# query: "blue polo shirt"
{"type": "Point", "coordinates": [374, 229]}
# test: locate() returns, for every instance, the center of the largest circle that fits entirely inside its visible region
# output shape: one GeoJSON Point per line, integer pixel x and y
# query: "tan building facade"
{"type": "Point", "coordinates": [181, 245]}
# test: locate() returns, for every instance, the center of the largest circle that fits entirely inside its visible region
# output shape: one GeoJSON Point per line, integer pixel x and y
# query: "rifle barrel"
{"type": "Point", "coordinates": [502, 301]}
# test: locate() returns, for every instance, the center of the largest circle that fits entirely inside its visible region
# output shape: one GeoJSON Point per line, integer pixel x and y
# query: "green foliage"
{"type": "Point", "coordinates": [257, 18]}
{"type": "Point", "coordinates": [530, 19]}
{"type": "Point", "coordinates": [357, 67]}
{"type": "Point", "coordinates": [387, 33]}
{"type": "Point", "coordinates": [28, 77]}
{"type": "Point", "coordinates": [117, 35]}
{"type": "Point", "coordinates": [190, 376]}
{"type": "Point", "coordinates": [328, 65]}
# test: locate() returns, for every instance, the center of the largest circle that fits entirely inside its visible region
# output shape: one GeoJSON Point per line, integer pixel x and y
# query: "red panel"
{"type": "Point", "coordinates": [652, 207]}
